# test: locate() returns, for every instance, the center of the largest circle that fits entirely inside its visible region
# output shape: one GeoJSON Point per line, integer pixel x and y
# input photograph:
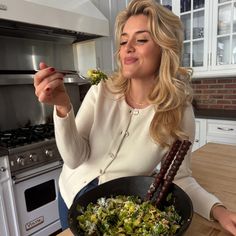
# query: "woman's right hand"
{"type": "Point", "coordinates": [50, 89]}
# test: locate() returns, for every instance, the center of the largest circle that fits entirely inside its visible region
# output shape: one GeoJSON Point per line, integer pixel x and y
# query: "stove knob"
{"type": "Point", "coordinates": [33, 157]}
{"type": "Point", "coordinates": [49, 153]}
{"type": "Point", "coordinates": [21, 160]}
{"type": "Point", "coordinates": [2, 169]}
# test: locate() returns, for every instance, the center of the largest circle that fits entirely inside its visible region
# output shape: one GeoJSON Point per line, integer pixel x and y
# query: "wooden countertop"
{"type": "Point", "coordinates": [214, 167]}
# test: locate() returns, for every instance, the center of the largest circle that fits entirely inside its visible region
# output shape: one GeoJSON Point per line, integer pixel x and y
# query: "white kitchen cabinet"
{"type": "Point", "coordinates": [209, 37]}
{"type": "Point", "coordinates": [221, 131]}
{"type": "Point", "coordinates": [173, 5]}
{"type": "Point", "coordinates": [200, 133]}
{"type": "Point", "coordinates": [215, 131]}
{"type": "Point", "coordinates": [105, 46]}
{"type": "Point", "coordinates": [8, 221]}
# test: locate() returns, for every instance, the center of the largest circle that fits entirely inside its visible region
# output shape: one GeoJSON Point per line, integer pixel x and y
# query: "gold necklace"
{"type": "Point", "coordinates": [136, 103]}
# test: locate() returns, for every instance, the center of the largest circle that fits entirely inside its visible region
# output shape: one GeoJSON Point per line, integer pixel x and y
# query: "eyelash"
{"type": "Point", "coordinates": [137, 41]}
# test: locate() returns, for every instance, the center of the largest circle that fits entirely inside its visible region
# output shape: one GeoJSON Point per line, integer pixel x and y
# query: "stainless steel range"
{"type": "Point", "coordinates": [30, 147]}
{"type": "Point", "coordinates": [35, 166]}
{"type": "Point", "coordinates": [30, 163]}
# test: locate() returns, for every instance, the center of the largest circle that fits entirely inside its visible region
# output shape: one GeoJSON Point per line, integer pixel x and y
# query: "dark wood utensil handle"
{"type": "Point", "coordinates": [164, 167]}
{"type": "Point", "coordinates": [172, 171]}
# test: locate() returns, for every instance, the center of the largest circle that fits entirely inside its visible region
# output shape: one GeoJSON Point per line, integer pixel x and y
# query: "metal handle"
{"type": "Point", "coordinates": [225, 129]}
{"type": "Point", "coordinates": [2, 169]}
{"type": "Point", "coordinates": [21, 179]}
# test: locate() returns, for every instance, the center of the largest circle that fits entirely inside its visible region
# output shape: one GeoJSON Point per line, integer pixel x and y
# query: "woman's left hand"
{"type": "Point", "coordinates": [226, 218]}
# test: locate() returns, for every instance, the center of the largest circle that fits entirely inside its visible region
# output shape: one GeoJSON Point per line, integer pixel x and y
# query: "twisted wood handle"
{"type": "Point", "coordinates": [164, 167]}
{"type": "Point", "coordinates": [173, 170]}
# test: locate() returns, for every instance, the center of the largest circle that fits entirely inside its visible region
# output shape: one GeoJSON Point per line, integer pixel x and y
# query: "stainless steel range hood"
{"type": "Point", "coordinates": [70, 15]}
{"type": "Point", "coordinates": [32, 31]}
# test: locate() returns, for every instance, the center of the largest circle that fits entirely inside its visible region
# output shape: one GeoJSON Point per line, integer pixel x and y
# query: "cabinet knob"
{"type": "Point", "coordinates": [2, 169]}
{"type": "Point", "coordinates": [196, 140]}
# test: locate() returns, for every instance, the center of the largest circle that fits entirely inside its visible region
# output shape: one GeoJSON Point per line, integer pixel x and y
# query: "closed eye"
{"type": "Point", "coordinates": [138, 41]}
{"type": "Point", "coordinates": [142, 40]}
{"type": "Point", "coordinates": [123, 43]}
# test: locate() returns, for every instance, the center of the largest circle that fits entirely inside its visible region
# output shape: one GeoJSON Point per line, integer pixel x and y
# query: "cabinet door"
{"type": "Point", "coordinates": [221, 131]}
{"type": "Point", "coordinates": [105, 46]}
{"type": "Point", "coordinates": [8, 220]}
{"type": "Point", "coordinates": [171, 5]}
{"type": "Point", "coordinates": [224, 35]}
{"type": "Point", "coordinates": [209, 37]}
{"type": "Point", "coordinates": [193, 15]}
{"type": "Point", "coordinates": [167, 4]}
{"type": "Point", "coordinates": [3, 218]}
{"type": "Point", "coordinates": [200, 134]}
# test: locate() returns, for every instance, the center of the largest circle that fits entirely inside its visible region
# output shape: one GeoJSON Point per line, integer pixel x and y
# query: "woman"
{"type": "Point", "coordinates": [125, 126]}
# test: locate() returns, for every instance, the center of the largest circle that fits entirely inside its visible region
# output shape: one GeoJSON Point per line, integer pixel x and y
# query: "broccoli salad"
{"type": "Point", "coordinates": [127, 215]}
{"type": "Point", "coordinates": [96, 76]}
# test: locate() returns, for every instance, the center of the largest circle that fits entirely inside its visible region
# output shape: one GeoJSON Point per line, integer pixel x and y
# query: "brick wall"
{"type": "Point", "coordinates": [215, 93]}
{"type": "Point", "coordinates": [208, 93]}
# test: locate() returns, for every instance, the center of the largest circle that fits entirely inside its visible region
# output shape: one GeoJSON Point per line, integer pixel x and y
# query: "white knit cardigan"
{"type": "Point", "coordinates": [109, 139]}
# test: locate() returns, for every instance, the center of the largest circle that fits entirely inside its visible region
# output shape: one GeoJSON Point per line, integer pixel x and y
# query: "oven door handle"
{"type": "Point", "coordinates": [16, 180]}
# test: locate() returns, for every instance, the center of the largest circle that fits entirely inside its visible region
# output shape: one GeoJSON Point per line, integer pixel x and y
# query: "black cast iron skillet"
{"type": "Point", "coordinates": [134, 185]}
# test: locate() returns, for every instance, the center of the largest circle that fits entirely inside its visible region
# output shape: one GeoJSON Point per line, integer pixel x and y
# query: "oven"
{"type": "Point", "coordinates": [36, 196]}
{"type": "Point", "coordinates": [35, 165]}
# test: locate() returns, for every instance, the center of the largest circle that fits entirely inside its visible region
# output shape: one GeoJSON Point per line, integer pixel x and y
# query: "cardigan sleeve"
{"type": "Point", "coordinates": [201, 199]}
{"type": "Point", "coordinates": [72, 133]}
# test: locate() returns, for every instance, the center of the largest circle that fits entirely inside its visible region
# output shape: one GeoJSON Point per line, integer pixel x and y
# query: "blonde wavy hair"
{"type": "Point", "coordinates": [172, 90]}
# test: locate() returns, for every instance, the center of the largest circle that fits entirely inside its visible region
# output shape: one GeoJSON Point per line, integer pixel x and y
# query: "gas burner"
{"type": "Point", "coordinates": [26, 135]}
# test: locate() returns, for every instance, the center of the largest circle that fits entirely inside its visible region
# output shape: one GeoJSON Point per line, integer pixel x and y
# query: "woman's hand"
{"type": "Point", "coordinates": [226, 218]}
{"type": "Point", "coordinates": [50, 89]}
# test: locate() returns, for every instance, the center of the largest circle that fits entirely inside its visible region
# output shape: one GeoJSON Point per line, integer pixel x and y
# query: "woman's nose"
{"type": "Point", "coordinates": [130, 46]}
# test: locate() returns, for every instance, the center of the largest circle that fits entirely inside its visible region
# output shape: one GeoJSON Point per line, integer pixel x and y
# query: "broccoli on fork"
{"type": "Point", "coordinates": [96, 75]}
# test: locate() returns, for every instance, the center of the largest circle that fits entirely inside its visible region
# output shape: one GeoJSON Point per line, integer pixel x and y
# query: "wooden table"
{"type": "Point", "coordinates": [214, 167]}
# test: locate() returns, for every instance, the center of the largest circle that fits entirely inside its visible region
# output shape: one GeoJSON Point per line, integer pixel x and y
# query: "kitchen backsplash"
{"type": "Point", "coordinates": [218, 93]}
{"type": "Point", "coordinates": [208, 93]}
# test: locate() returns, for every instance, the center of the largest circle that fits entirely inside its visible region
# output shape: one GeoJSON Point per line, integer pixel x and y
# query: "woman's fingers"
{"type": "Point", "coordinates": [49, 83]}
{"type": "Point", "coordinates": [49, 86]}
{"type": "Point", "coordinates": [45, 96]}
{"type": "Point", "coordinates": [39, 75]}
{"type": "Point", "coordinates": [42, 65]}
{"type": "Point", "coordinates": [227, 220]}
{"type": "Point", "coordinates": [54, 82]}
{"type": "Point", "coordinates": [46, 74]}
{"type": "Point", "coordinates": [42, 74]}
{"type": "Point", "coordinates": [45, 77]}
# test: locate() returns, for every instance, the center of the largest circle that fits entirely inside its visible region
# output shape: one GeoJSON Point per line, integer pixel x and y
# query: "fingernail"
{"type": "Point", "coordinates": [52, 69]}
